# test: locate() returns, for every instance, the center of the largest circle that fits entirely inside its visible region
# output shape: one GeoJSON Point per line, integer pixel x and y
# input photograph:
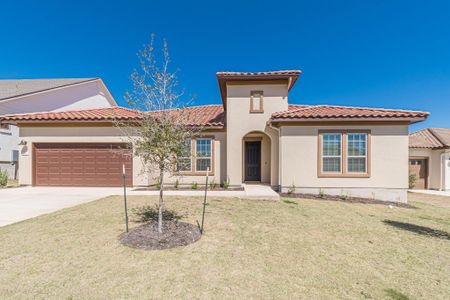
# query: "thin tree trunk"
{"type": "Point", "coordinates": [161, 201]}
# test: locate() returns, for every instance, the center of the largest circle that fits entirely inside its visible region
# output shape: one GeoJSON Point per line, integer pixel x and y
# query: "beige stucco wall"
{"type": "Point", "coordinates": [389, 163]}
{"type": "Point", "coordinates": [266, 146]}
{"type": "Point", "coordinates": [219, 166]}
{"type": "Point", "coordinates": [141, 177]}
{"type": "Point", "coordinates": [241, 122]}
{"type": "Point", "coordinates": [436, 167]}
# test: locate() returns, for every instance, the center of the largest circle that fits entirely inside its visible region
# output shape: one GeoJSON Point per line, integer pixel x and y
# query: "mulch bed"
{"type": "Point", "coordinates": [174, 234]}
{"type": "Point", "coordinates": [188, 188]}
{"type": "Point", "coordinates": [347, 199]}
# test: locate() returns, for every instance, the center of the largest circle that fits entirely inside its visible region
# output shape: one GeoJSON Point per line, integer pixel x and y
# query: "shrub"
{"type": "Point", "coordinates": [412, 180]}
{"type": "Point", "coordinates": [212, 184]}
{"type": "Point", "coordinates": [3, 178]}
{"type": "Point", "coordinates": [291, 189]}
{"type": "Point", "coordinates": [226, 184]}
{"type": "Point", "coordinates": [176, 184]}
{"type": "Point", "coordinates": [343, 196]}
{"type": "Point", "coordinates": [321, 194]}
{"type": "Point", "coordinates": [194, 185]}
{"type": "Point", "coordinates": [148, 213]}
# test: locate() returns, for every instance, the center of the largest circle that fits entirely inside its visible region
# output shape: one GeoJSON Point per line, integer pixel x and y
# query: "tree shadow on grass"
{"type": "Point", "coordinates": [427, 231]}
{"type": "Point", "coordinates": [396, 295]}
{"type": "Point", "coordinates": [290, 202]}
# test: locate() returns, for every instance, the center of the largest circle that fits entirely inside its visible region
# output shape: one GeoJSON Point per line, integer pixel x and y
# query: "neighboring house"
{"type": "Point", "coordinates": [44, 95]}
{"type": "Point", "coordinates": [256, 136]}
{"type": "Point", "coordinates": [429, 158]}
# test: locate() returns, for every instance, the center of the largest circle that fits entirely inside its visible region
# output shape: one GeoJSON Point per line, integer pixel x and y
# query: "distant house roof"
{"type": "Point", "coordinates": [13, 88]}
{"type": "Point", "coordinates": [290, 76]}
{"type": "Point", "coordinates": [432, 138]}
{"type": "Point", "coordinates": [347, 113]}
{"type": "Point", "coordinates": [213, 116]}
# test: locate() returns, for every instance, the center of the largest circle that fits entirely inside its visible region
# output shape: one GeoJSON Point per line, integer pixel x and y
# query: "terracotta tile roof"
{"type": "Point", "coordinates": [253, 74]}
{"type": "Point", "coordinates": [290, 76]}
{"type": "Point", "coordinates": [99, 114]}
{"type": "Point", "coordinates": [342, 113]}
{"type": "Point", "coordinates": [297, 106]}
{"type": "Point", "coordinates": [214, 115]}
{"type": "Point", "coordinates": [430, 138]}
{"type": "Point", "coordinates": [207, 115]}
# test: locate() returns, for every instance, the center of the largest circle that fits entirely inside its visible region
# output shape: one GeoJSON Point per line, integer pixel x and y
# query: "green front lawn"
{"type": "Point", "coordinates": [307, 249]}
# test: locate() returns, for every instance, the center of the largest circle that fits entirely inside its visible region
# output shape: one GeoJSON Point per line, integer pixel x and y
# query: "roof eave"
{"type": "Point", "coordinates": [313, 120]}
{"type": "Point", "coordinates": [429, 147]}
{"type": "Point", "coordinates": [223, 79]}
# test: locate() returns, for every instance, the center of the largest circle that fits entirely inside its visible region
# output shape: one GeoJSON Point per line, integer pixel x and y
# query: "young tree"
{"type": "Point", "coordinates": [159, 133]}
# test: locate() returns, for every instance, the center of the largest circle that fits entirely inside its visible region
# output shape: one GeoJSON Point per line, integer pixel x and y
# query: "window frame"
{"type": "Point", "coordinates": [204, 158]}
{"type": "Point", "coordinates": [332, 156]}
{"type": "Point", "coordinates": [193, 171]}
{"type": "Point", "coordinates": [254, 94]}
{"type": "Point", "coordinates": [356, 156]}
{"type": "Point", "coordinates": [344, 157]}
{"type": "Point", "coordinates": [185, 157]}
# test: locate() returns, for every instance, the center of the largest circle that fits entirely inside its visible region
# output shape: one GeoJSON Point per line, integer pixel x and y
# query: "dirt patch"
{"type": "Point", "coordinates": [346, 199]}
{"type": "Point", "coordinates": [175, 234]}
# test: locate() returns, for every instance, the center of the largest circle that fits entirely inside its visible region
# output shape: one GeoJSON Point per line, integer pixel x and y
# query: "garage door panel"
{"type": "Point", "coordinates": [80, 165]}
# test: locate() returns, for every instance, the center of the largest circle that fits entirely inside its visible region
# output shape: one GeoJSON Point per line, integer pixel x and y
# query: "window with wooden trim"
{"type": "Point", "coordinates": [184, 161]}
{"type": "Point", "coordinates": [332, 153]}
{"type": "Point", "coordinates": [197, 157]}
{"type": "Point", "coordinates": [256, 102]}
{"type": "Point", "coordinates": [344, 153]}
{"type": "Point", "coordinates": [356, 152]}
{"type": "Point", "coordinates": [203, 157]}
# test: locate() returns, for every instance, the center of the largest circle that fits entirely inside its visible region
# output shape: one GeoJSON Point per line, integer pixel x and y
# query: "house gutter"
{"type": "Point", "coordinates": [278, 130]}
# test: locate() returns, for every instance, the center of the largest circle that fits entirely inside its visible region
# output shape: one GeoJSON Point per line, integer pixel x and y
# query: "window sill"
{"type": "Point", "coordinates": [340, 175]}
{"type": "Point", "coordinates": [190, 173]}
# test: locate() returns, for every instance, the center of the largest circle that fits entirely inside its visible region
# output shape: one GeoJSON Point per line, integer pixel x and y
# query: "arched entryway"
{"type": "Point", "coordinates": [256, 157]}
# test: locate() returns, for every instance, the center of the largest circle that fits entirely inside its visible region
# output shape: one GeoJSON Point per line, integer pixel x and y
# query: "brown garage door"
{"type": "Point", "coordinates": [419, 167]}
{"type": "Point", "coordinates": [82, 164]}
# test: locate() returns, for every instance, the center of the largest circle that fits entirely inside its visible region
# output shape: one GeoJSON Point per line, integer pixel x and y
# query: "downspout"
{"type": "Point", "coordinates": [278, 130]}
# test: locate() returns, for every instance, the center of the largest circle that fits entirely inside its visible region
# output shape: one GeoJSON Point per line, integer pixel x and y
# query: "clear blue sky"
{"type": "Point", "coordinates": [392, 54]}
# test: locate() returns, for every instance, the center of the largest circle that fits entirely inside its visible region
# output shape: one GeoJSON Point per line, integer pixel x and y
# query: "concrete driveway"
{"type": "Point", "coordinates": [17, 204]}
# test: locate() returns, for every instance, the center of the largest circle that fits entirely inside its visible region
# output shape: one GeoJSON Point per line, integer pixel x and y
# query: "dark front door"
{"type": "Point", "coordinates": [253, 161]}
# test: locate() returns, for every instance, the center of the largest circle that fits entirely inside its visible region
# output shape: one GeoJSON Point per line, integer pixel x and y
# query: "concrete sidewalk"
{"type": "Point", "coordinates": [431, 192]}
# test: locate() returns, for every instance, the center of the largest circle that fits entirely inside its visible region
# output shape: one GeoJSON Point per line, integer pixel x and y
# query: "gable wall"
{"type": "Point", "coordinates": [240, 122]}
